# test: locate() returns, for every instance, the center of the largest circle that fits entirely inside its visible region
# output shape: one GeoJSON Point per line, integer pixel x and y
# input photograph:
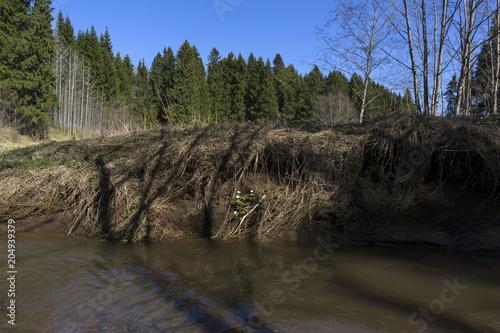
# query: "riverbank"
{"type": "Point", "coordinates": [409, 180]}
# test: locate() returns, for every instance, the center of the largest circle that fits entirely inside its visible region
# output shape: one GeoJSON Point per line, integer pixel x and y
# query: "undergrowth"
{"type": "Point", "coordinates": [245, 181]}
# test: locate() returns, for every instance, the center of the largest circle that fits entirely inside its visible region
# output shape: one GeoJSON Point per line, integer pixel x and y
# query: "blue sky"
{"type": "Point", "coordinates": [142, 28]}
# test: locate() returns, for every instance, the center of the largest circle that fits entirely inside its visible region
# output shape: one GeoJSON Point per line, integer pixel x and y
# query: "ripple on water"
{"type": "Point", "coordinates": [68, 285]}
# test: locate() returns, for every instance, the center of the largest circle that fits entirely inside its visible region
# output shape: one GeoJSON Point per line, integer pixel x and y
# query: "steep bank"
{"type": "Point", "coordinates": [401, 179]}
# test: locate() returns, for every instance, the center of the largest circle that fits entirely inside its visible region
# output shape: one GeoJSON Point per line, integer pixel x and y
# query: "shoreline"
{"type": "Point", "coordinates": [486, 243]}
{"type": "Point", "coordinates": [404, 180]}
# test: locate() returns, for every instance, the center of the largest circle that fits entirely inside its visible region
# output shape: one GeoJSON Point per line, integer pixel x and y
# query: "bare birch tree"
{"type": "Point", "coordinates": [495, 59]}
{"type": "Point", "coordinates": [356, 35]}
{"type": "Point", "coordinates": [472, 15]}
{"type": "Point", "coordinates": [81, 108]}
{"type": "Point", "coordinates": [419, 22]}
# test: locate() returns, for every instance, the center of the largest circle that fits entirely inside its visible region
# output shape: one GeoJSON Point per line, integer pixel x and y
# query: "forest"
{"type": "Point", "coordinates": [51, 76]}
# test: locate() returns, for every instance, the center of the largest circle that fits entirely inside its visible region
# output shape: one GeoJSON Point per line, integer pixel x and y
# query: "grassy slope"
{"type": "Point", "coordinates": [405, 179]}
{"type": "Point", "coordinates": [10, 139]}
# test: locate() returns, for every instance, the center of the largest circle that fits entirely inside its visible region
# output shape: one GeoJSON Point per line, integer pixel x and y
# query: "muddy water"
{"type": "Point", "coordinates": [70, 285]}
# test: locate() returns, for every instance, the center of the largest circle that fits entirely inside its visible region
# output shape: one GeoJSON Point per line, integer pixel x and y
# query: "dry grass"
{"type": "Point", "coordinates": [185, 181]}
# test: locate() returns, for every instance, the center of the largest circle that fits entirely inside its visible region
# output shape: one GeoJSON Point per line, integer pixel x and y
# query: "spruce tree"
{"type": "Point", "coordinates": [64, 31]}
{"type": "Point", "coordinates": [450, 96]}
{"type": "Point", "coordinates": [280, 80]}
{"type": "Point", "coordinates": [288, 78]}
{"type": "Point", "coordinates": [68, 32]}
{"type": "Point", "coordinates": [30, 68]}
{"type": "Point", "coordinates": [125, 76]}
{"type": "Point", "coordinates": [81, 41]}
{"type": "Point", "coordinates": [337, 82]}
{"type": "Point", "coordinates": [237, 110]}
{"type": "Point", "coordinates": [92, 50]}
{"type": "Point", "coordinates": [234, 73]}
{"type": "Point", "coordinates": [188, 89]}
{"type": "Point", "coordinates": [262, 103]}
{"type": "Point", "coordinates": [215, 85]}
{"type": "Point", "coordinates": [144, 110]}
{"type": "Point", "coordinates": [59, 26]}
{"type": "Point", "coordinates": [314, 85]}
{"type": "Point", "coordinates": [269, 96]}
{"type": "Point", "coordinates": [301, 103]}
{"type": "Point", "coordinates": [355, 90]}
{"type": "Point", "coordinates": [482, 85]}
{"type": "Point", "coordinates": [169, 81]}
{"type": "Point", "coordinates": [202, 82]}
{"type": "Point", "coordinates": [13, 40]}
{"type": "Point", "coordinates": [252, 88]}
{"type": "Point", "coordinates": [157, 80]}
{"type": "Point", "coordinates": [108, 80]}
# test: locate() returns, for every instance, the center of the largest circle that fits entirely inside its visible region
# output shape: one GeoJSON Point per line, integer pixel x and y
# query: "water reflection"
{"type": "Point", "coordinates": [193, 285]}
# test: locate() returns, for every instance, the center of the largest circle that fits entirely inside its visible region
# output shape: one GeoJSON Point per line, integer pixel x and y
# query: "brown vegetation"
{"type": "Point", "coordinates": [360, 183]}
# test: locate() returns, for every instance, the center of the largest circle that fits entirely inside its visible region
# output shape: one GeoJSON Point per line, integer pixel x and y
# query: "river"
{"type": "Point", "coordinates": [197, 285]}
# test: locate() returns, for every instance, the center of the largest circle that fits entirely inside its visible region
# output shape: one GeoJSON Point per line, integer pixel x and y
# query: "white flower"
{"type": "Point", "coordinates": [251, 191]}
{"type": "Point", "coordinates": [237, 197]}
{"type": "Point", "coordinates": [238, 192]}
{"type": "Point", "coordinates": [235, 212]}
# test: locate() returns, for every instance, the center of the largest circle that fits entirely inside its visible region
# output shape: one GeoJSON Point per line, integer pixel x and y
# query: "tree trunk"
{"type": "Point", "coordinates": [496, 62]}
{"type": "Point", "coordinates": [425, 59]}
{"type": "Point", "coordinates": [412, 56]}
{"type": "Point", "coordinates": [439, 60]}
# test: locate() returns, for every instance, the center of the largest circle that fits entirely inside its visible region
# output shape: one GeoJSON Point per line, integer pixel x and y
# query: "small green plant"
{"type": "Point", "coordinates": [244, 203]}
{"type": "Point", "coordinates": [19, 190]}
{"type": "Point", "coordinates": [486, 120]}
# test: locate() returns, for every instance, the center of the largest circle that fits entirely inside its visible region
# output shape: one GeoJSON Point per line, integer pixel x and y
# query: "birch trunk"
{"type": "Point", "coordinates": [411, 46]}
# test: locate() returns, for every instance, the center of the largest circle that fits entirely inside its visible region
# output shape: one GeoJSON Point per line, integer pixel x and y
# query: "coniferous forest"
{"type": "Point", "coordinates": [77, 82]}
